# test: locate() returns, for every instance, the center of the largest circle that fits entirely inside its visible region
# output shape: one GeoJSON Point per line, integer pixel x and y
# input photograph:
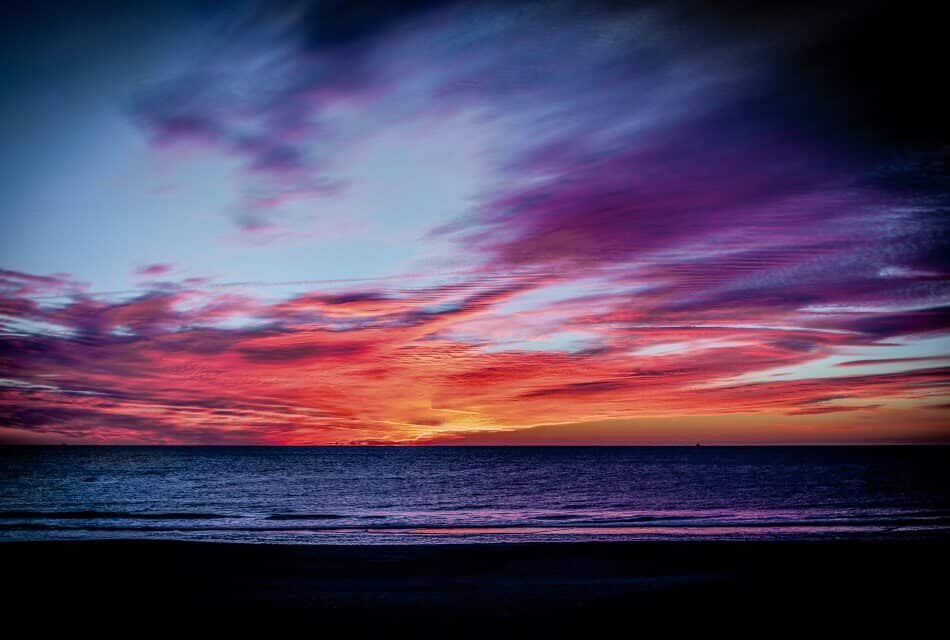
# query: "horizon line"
{"type": "Point", "coordinates": [489, 446]}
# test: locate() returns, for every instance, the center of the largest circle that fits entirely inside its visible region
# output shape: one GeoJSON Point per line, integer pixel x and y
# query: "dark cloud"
{"type": "Point", "coordinates": [887, 325]}
{"type": "Point", "coordinates": [292, 353]}
{"type": "Point", "coordinates": [578, 389]}
{"type": "Point", "coordinates": [340, 24]}
{"type": "Point", "coordinates": [157, 269]}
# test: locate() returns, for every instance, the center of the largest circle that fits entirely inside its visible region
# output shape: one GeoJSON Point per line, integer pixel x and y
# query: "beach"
{"type": "Point", "coordinates": [453, 590]}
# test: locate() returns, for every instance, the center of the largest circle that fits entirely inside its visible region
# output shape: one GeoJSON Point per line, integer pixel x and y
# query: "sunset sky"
{"type": "Point", "coordinates": [457, 223]}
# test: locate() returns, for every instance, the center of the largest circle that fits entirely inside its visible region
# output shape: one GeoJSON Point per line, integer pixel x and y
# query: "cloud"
{"type": "Point", "coordinates": [15, 283]}
{"type": "Point", "coordinates": [831, 409]}
{"type": "Point", "coordinates": [577, 389]}
{"type": "Point", "coordinates": [396, 364]}
{"type": "Point", "coordinates": [661, 227]}
{"type": "Point", "coordinates": [659, 149]}
{"type": "Point", "coordinates": [157, 269]}
{"type": "Point", "coordinates": [287, 91]}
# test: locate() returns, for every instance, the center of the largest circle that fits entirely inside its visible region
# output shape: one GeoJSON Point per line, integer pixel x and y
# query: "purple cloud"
{"type": "Point", "coordinates": [154, 270]}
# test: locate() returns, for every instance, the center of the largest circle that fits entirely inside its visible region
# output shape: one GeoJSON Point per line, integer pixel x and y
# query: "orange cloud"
{"type": "Point", "coordinates": [426, 365]}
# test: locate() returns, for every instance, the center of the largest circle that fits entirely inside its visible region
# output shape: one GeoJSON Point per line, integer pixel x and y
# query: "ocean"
{"type": "Point", "coordinates": [389, 495]}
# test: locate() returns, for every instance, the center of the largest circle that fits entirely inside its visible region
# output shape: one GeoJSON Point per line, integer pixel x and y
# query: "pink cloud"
{"type": "Point", "coordinates": [154, 270]}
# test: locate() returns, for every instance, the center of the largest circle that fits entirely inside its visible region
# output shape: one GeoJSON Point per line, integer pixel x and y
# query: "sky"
{"type": "Point", "coordinates": [473, 223]}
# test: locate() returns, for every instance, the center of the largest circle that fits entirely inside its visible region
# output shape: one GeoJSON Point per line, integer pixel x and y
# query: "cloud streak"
{"type": "Point", "coordinates": [400, 365]}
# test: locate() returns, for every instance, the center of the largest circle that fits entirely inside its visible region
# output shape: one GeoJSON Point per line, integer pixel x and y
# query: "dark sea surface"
{"type": "Point", "coordinates": [382, 495]}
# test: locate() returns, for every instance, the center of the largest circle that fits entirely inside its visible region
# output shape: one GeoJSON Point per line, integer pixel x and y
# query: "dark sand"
{"type": "Point", "coordinates": [896, 586]}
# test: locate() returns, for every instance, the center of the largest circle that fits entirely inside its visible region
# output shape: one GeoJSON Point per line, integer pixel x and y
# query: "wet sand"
{"type": "Point", "coordinates": [465, 590]}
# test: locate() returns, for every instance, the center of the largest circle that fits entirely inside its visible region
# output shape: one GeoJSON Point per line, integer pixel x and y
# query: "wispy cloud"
{"type": "Point", "coordinates": [396, 364]}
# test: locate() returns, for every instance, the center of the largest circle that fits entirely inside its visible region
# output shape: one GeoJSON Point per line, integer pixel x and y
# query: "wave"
{"type": "Point", "coordinates": [119, 520]}
{"type": "Point", "coordinates": [305, 516]}
{"type": "Point", "coordinates": [582, 518]}
{"type": "Point", "coordinates": [110, 515]}
{"type": "Point", "coordinates": [476, 527]}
